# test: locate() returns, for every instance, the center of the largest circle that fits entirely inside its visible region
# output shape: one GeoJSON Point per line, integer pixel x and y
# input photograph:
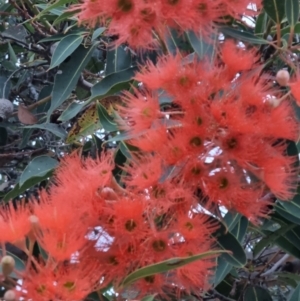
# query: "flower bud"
{"type": "Point", "coordinates": [108, 194]}
{"type": "Point", "coordinates": [9, 295]}
{"type": "Point", "coordinates": [7, 265]}
{"type": "Point", "coordinates": [274, 102]}
{"type": "Point", "coordinates": [283, 77]}
{"type": "Point", "coordinates": [34, 222]}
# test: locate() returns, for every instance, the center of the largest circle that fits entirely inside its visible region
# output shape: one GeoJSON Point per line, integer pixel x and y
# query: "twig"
{"type": "Point", "coordinates": [34, 105]}
{"type": "Point", "coordinates": [276, 265]}
{"type": "Point", "coordinates": [220, 296]}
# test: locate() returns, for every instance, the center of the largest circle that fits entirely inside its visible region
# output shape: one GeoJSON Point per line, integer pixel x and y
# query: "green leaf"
{"type": "Point", "coordinates": [38, 167]}
{"type": "Point", "coordinates": [293, 206]}
{"type": "Point", "coordinates": [50, 127]}
{"type": "Point", "coordinates": [148, 298]}
{"type": "Point", "coordinates": [256, 293]}
{"type": "Point", "coordinates": [296, 294]}
{"type": "Point", "coordinates": [59, 36]}
{"type": "Point", "coordinates": [227, 241]}
{"type": "Point", "coordinates": [12, 56]}
{"type": "Point", "coordinates": [106, 121]}
{"type": "Point", "coordinates": [287, 246]}
{"type": "Point", "coordinates": [71, 111]}
{"type": "Point", "coordinates": [47, 8]}
{"type": "Point", "coordinates": [288, 275]}
{"type": "Point", "coordinates": [58, 11]}
{"type": "Point", "coordinates": [3, 80]}
{"type": "Point", "coordinates": [292, 11]}
{"type": "Point", "coordinates": [26, 134]}
{"type": "Point", "coordinates": [293, 236]}
{"type": "Point", "coordinates": [284, 213]}
{"type": "Point", "coordinates": [17, 190]}
{"type": "Point", "coordinates": [117, 59]}
{"type": "Point", "coordinates": [203, 46]}
{"type": "Point", "coordinates": [261, 23]}
{"type": "Point", "coordinates": [124, 148]}
{"type": "Point", "coordinates": [275, 9]}
{"type": "Point", "coordinates": [176, 41]}
{"type": "Point", "coordinates": [243, 35]}
{"type": "Point", "coordinates": [64, 49]}
{"type": "Point", "coordinates": [222, 270]}
{"type": "Point", "coordinates": [292, 151]}
{"type": "Point", "coordinates": [240, 229]}
{"type": "Point", "coordinates": [164, 98]}
{"type": "Point", "coordinates": [67, 15]}
{"type": "Point", "coordinates": [66, 81]}
{"type": "Point", "coordinates": [270, 238]}
{"type": "Point", "coordinates": [19, 264]}
{"type": "Point", "coordinates": [97, 33]}
{"type": "Point", "coordinates": [87, 124]}
{"type": "Point", "coordinates": [112, 83]}
{"type": "Point", "coordinates": [165, 266]}
{"type": "Point", "coordinates": [231, 219]}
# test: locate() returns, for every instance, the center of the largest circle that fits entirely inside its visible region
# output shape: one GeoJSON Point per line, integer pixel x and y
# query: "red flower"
{"type": "Point", "coordinates": [14, 222]}
{"type": "Point", "coordinates": [139, 113]}
{"type": "Point", "coordinates": [235, 58]}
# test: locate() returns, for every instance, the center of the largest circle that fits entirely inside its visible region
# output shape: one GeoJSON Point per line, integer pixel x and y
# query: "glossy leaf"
{"type": "Point", "coordinates": [148, 298]}
{"type": "Point", "coordinates": [26, 134]}
{"type": "Point", "coordinates": [284, 213]}
{"type": "Point", "coordinates": [227, 241]}
{"type": "Point", "coordinates": [292, 11]}
{"type": "Point", "coordinates": [112, 83]}
{"type": "Point", "coordinates": [275, 9]}
{"type": "Point", "coordinates": [293, 206]}
{"type": "Point", "coordinates": [222, 269]}
{"type": "Point", "coordinates": [231, 219]}
{"type": "Point", "coordinates": [296, 294]}
{"type": "Point", "coordinates": [98, 32]}
{"type": "Point", "coordinates": [19, 189]}
{"type": "Point", "coordinates": [292, 151]}
{"type": "Point", "coordinates": [51, 127]}
{"type": "Point", "coordinates": [7, 86]}
{"type": "Point", "coordinates": [66, 80]}
{"type": "Point", "coordinates": [65, 16]}
{"type": "Point", "coordinates": [105, 119]}
{"type": "Point", "coordinates": [271, 238]}
{"type": "Point", "coordinates": [165, 266]}
{"type": "Point", "coordinates": [243, 35]}
{"type": "Point", "coordinates": [118, 59]}
{"type": "Point", "coordinates": [87, 124]}
{"type": "Point", "coordinates": [287, 246]}
{"type": "Point", "coordinates": [175, 41]}
{"type": "Point", "coordinates": [203, 46]}
{"type": "Point", "coordinates": [293, 236]}
{"type": "Point", "coordinates": [71, 111]}
{"type": "Point", "coordinates": [64, 49]}
{"type": "Point", "coordinates": [256, 293]}
{"type": "Point", "coordinates": [59, 36]}
{"type": "Point", "coordinates": [240, 229]}
{"type": "Point", "coordinates": [261, 23]}
{"type": "Point", "coordinates": [50, 7]}
{"type": "Point", "coordinates": [38, 167]}
{"type": "Point", "coordinates": [288, 275]}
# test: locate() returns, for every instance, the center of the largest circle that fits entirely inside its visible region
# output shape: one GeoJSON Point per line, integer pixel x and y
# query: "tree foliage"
{"type": "Point", "coordinates": [74, 78]}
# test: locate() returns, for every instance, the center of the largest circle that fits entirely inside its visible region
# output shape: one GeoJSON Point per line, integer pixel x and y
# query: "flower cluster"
{"type": "Point", "coordinates": [139, 23]}
{"type": "Point", "coordinates": [95, 234]}
{"type": "Point", "coordinates": [223, 133]}
{"type": "Point", "coordinates": [205, 134]}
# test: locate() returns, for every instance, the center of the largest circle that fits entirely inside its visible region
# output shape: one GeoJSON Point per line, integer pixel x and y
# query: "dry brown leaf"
{"type": "Point", "coordinates": [25, 116]}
